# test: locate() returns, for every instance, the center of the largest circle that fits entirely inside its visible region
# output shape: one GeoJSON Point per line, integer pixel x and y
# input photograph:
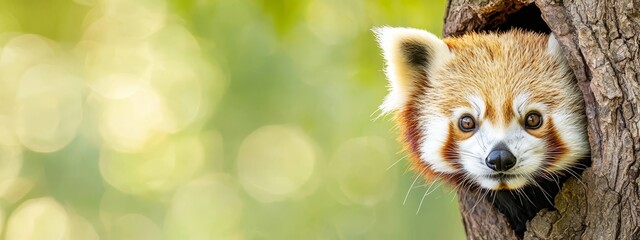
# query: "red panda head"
{"type": "Point", "coordinates": [495, 110]}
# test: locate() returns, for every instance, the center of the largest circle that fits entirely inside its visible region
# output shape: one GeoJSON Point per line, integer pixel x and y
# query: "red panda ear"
{"type": "Point", "coordinates": [410, 55]}
{"type": "Point", "coordinates": [553, 47]}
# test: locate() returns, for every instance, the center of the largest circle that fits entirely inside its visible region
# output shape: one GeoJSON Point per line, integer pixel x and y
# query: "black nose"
{"type": "Point", "coordinates": [500, 159]}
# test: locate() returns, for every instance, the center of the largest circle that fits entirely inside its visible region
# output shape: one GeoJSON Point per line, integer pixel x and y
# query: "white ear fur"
{"type": "Point", "coordinates": [553, 47]}
{"type": "Point", "coordinates": [409, 53]}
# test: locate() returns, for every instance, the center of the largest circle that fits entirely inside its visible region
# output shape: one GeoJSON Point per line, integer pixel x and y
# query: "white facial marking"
{"type": "Point", "coordinates": [573, 137]}
{"type": "Point", "coordinates": [528, 149]}
{"type": "Point", "coordinates": [437, 132]}
{"type": "Point", "coordinates": [478, 105]}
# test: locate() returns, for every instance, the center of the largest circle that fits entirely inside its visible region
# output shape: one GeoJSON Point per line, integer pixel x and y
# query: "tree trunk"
{"type": "Point", "coordinates": [601, 42]}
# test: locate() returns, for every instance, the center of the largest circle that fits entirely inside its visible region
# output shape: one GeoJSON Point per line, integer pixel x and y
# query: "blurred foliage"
{"type": "Point", "coordinates": [196, 119]}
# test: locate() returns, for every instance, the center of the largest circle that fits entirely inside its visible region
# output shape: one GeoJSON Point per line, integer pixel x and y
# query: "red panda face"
{"type": "Point", "coordinates": [495, 110]}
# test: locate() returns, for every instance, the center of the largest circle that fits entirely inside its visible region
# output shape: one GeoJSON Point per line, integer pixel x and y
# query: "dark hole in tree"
{"type": "Point", "coordinates": [527, 18]}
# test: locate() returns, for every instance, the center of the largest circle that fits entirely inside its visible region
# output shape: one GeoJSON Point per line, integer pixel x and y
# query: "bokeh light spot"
{"type": "Point", "coordinates": [185, 44]}
{"type": "Point", "coordinates": [206, 208]}
{"type": "Point", "coordinates": [331, 23]}
{"type": "Point", "coordinates": [10, 162]}
{"type": "Point", "coordinates": [81, 229]}
{"type": "Point", "coordinates": [134, 227]}
{"type": "Point", "coordinates": [157, 170]}
{"type": "Point", "coordinates": [134, 123]}
{"type": "Point", "coordinates": [181, 94]}
{"type": "Point", "coordinates": [12, 187]}
{"type": "Point", "coordinates": [49, 108]}
{"type": "Point", "coordinates": [41, 218]}
{"type": "Point", "coordinates": [12, 190]}
{"type": "Point", "coordinates": [354, 222]}
{"type": "Point", "coordinates": [2, 220]}
{"type": "Point", "coordinates": [19, 54]}
{"type": "Point", "coordinates": [116, 70]}
{"type": "Point", "coordinates": [7, 137]}
{"type": "Point", "coordinates": [274, 161]}
{"type": "Point", "coordinates": [136, 19]}
{"type": "Point", "coordinates": [368, 155]}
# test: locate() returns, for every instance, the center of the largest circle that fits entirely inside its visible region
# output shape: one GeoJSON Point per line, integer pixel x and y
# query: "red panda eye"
{"type": "Point", "coordinates": [533, 120]}
{"type": "Point", "coordinates": [467, 123]}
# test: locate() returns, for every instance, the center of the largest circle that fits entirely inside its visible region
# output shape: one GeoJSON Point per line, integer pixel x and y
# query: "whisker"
{"type": "Point", "coordinates": [434, 189]}
{"type": "Point", "coordinates": [397, 162]}
{"type": "Point", "coordinates": [427, 192]}
{"type": "Point", "coordinates": [411, 187]}
{"type": "Point", "coordinates": [479, 199]}
{"type": "Point", "coordinates": [379, 115]}
{"type": "Point", "coordinates": [544, 193]}
{"type": "Point", "coordinates": [527, 197]}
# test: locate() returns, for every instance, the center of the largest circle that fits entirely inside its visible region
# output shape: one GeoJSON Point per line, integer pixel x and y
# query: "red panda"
{"type": "Point", "coordinates": [500, 112]}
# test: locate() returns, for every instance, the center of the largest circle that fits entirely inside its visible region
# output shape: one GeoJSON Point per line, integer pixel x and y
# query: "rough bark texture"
{"type": "Point", "coordinates": [601, 41]}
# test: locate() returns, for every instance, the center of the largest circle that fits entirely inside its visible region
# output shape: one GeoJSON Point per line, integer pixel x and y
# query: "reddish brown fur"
{"type": "Point", "coordinates": [411, 136]}
{"type": "Point", "coordinates": [450, 148]}
{"type": "Point", "coordinates": [409, 124]}
{"type": "Point", "coordinates": [496, 68]}
{"type": "Point", "coordinates": [556, 148]}
{"type": "Point", "coordinates": [487, 66]}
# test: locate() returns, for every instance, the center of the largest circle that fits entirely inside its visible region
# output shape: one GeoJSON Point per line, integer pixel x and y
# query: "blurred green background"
{"type": "Point", "coordinates": [196, 119]}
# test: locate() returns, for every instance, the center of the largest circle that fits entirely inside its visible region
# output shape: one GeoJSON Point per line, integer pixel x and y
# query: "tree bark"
{"type": "Point", "coordinates": [601, 42]}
